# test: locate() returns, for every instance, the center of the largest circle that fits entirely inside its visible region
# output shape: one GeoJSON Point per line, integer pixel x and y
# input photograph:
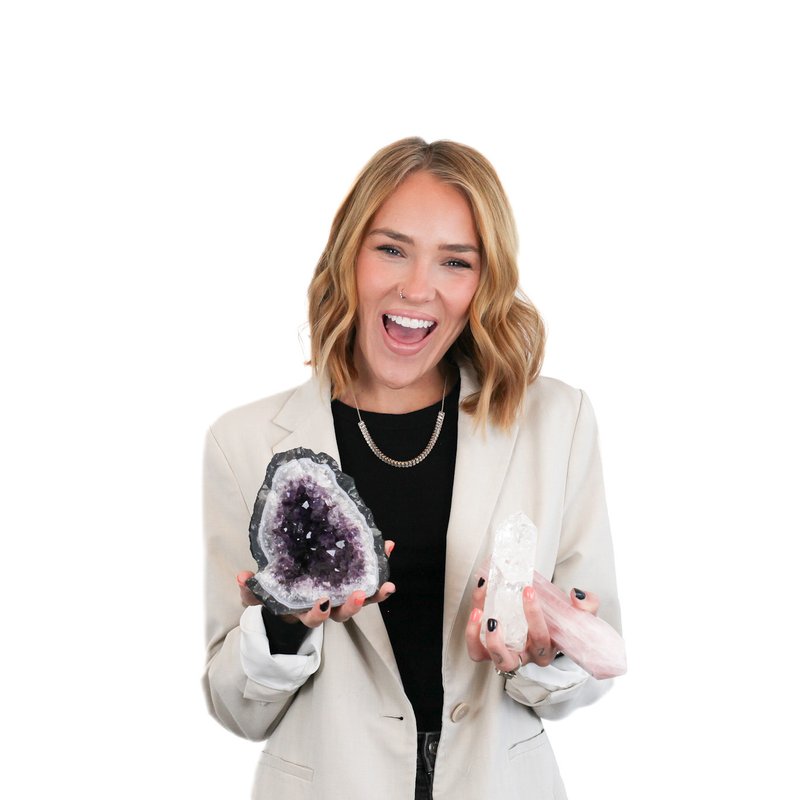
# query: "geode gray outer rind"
{"type": "Point", "coordinates": [312, 535]}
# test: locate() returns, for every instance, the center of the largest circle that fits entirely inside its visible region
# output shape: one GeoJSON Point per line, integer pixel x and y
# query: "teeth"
{"type": "Point", "coordinates": [409, 322]}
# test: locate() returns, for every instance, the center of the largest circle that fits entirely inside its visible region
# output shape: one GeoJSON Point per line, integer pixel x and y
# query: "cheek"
{"type": "Point", "coordinates": [465, 301]}
{"type": "Point", "coordinates": [368, 287]}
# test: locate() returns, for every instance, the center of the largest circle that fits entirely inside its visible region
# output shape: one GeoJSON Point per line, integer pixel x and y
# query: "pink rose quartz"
{"type": "Point", "coordinates": [588, 640]}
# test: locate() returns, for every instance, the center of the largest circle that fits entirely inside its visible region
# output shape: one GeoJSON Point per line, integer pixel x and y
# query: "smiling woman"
{"type": "Point", "coordinates": [504, 337]}
{"type": "Point", "coordinates": [426, 391]}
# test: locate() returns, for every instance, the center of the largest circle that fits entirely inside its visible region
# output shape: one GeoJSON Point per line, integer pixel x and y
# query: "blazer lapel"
{"type": "Point", "coordinates": [308, 421]}
{"type": "Point", "coordinates": [482, 460]}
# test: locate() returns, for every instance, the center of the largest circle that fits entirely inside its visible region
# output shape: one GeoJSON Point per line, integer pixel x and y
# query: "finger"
{"type": "Point", "coordinates": [350, 607]}
{"type": "Point", "coordinates": [539, 647]}
{"type": "Point", "coordinates": [475, 648]}
{"type": "Point", "coordinates": [503, 658]}
{"type": "Point", "coordinates": [388, 546]}
{"type": "Point", "coordinates": [386, 590]}
{"type": "Point", "coordinates": [586, 601]}
{"type": "Point", "coordinates": [247, 597]}
{"type": "Point", "coordinates": [243, 576]}
{"type": "Point", "coordinates": [479, 592]}
{"type": "Point", "coordinates": [317, 614]}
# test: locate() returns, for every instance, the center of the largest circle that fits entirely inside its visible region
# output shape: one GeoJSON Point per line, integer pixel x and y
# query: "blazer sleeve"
{"type": "Point", "coordinates": [247, 689]}
{"type": "Point", "coordinates": [585, 561]}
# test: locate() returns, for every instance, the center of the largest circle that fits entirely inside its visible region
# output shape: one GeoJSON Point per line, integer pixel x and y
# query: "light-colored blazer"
{"type": "Point", "coordinates": [349, 730]}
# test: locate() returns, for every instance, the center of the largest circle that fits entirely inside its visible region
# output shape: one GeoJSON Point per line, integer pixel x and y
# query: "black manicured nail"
{"type": "Point", "coordinates": [324, 606]}
{"type": "Point", "coordinates": [579, 594]}
{"type": "Point", "coordinates": [481, 581]}
{"type": "Point", "coordinates": [491, 625]}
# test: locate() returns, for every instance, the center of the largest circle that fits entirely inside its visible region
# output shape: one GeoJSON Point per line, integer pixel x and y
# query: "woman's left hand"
{"type": "Point", "coordinates": [539, 648]}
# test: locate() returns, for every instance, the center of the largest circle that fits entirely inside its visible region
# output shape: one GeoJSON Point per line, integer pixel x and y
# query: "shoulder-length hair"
{"type": "Point", "coordinates": [504, 336]}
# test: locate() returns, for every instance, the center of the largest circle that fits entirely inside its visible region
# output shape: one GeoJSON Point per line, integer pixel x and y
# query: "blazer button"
{"type": "Point", "coordinates": [459, 712]}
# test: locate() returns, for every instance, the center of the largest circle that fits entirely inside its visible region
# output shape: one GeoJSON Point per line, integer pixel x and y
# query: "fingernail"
{"type": "Point", "coordinates": [527, 593]}
{"type": "Point", "coordinates": [359, 599]}
{"type": "Point", "coordinates": [323, 607]}
{"type": "Point", "coordinates": [481, 581]}
{"type": "Point", "coordinates": [491, 625]}
{"type": "Point", "coordinates": [581, 595]}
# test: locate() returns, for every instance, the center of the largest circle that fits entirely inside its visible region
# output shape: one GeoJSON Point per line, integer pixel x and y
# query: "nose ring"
{"type": "Point", "coordinates": [402, 296]}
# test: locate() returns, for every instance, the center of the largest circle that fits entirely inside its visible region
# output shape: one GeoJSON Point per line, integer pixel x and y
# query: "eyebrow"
{"type": "Point", "coordinates": [401, 237]}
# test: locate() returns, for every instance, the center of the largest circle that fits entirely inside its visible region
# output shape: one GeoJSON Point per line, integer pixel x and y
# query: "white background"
{"type": "Point", "coordinates": [169, 173]}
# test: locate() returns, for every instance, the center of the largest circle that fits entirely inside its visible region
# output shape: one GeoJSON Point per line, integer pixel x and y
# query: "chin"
{"type": "Point", "coordinates": [395, 380]}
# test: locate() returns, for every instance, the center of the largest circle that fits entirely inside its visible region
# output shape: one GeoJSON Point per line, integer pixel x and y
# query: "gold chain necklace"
{"type": "Point", "coordinates": [412, 462]}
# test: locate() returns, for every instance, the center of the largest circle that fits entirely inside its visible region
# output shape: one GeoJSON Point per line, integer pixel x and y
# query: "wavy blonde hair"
{"type": "Point", "coordinates": [504, 336]}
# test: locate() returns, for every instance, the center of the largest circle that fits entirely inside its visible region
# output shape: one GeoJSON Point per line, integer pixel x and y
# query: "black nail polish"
{"type": "Point", "coordinates": [324, 606]}
{"type": "Point", "coordinates": [481, 581]}
{"type": "Point", "coordinates": [491, 625]}
{"type": "Point", "coordinates": [579, 594]}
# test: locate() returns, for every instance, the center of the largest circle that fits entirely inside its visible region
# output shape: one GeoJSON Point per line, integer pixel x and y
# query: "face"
{"type": "Point", "coordinates": [422, 241]}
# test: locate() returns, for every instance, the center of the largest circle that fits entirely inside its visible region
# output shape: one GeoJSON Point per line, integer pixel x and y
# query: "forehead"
{"type": "Point", "coordinates": [427, 206]}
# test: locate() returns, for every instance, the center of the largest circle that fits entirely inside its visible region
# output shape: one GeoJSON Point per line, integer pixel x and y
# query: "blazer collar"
{"type": "Point", "coordinates": [308, 420]}
{"type": "Point", "coordinates": [482, 460]}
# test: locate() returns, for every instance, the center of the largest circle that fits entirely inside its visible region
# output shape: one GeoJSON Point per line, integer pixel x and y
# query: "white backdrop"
{"type": "Point", "coordinates": [169, 172]}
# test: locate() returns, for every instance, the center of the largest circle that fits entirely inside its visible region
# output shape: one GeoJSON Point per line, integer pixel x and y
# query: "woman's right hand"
{"type": "Point", "coordinates": [321, 610]}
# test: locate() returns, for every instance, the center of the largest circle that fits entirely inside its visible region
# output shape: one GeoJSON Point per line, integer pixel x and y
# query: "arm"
{"type": "Point", "coordinates": [247, 688]}
{"type": "Point", "coordinates": [249, 684]}
{"type": "Point", "coordinates": [585, 561]}
{"type": "Point", "coordinates": [556, 686]}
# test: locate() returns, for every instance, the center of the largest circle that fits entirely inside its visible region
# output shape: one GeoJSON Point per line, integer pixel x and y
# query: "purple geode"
{"type": "Point", "coordinates": [312, 535]}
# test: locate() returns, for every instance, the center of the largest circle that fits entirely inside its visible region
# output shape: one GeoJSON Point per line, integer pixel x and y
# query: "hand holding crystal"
{"type": "Point", "coordinates": [539, 647]}
{"type": "Point", "coordinates": [321, 610]}
{"type": "Point", "coordinates": [530, 617]}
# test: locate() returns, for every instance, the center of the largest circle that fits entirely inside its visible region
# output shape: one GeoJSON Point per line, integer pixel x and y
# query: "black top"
{"type": "Point", "coordinates": [412, 507]}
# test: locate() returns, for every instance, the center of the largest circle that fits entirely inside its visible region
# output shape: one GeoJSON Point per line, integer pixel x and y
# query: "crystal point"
{"type": "Point", "coordinates": [510, 571]}
{"type": "Point", "coordinates": [588, 640]}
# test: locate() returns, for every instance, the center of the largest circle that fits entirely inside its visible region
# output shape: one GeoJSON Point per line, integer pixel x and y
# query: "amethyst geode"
{"type": "Point", "coordinates": [312, 535]}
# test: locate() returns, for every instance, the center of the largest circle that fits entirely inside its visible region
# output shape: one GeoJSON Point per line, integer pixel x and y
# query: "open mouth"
{"type": "Point", "coordinates": [408, 330]}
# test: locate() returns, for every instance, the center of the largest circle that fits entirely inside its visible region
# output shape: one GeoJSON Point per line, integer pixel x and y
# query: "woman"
{"type": "Point", "coordinates": [414, 309]}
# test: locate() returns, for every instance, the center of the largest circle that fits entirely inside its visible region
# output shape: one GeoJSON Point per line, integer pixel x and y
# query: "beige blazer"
{"type": "Point", "coordinates": [349, 731]}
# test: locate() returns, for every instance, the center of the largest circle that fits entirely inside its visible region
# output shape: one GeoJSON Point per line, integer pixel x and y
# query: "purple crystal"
{"type": "Point", "coordinates": [312, 535]}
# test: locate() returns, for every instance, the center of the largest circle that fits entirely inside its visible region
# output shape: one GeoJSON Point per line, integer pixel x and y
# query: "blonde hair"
{"type": "Point", "coordinates": [504, 337]}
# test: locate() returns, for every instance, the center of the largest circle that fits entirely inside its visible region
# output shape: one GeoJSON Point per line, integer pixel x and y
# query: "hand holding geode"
{"type": "Point", "coordinates": [312, 536]}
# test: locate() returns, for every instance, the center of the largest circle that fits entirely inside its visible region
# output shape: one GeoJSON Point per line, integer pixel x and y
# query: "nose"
{"type": "Point", "coordinates": [418, 285]}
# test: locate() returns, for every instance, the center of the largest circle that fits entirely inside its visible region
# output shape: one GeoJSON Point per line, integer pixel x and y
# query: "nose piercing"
{"type": "Point", "coordinates": [402, 296]}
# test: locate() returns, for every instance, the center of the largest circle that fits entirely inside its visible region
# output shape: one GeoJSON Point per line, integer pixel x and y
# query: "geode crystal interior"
{"type": "Point", "coordinates": [312, 536]}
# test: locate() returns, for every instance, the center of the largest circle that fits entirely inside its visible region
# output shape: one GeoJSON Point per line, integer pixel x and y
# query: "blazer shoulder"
{"type": "Point", "coordinates": [252, 420]}
{"type": "Point", "coordinates": [552, 395]}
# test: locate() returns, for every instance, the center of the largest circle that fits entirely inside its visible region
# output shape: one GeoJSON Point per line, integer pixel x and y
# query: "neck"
{"type": "Point", "coordinates": [372, 396]}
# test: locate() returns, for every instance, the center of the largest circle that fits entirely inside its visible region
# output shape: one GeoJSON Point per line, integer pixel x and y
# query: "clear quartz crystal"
{"type": "Point", "coordinates": [511, 570]}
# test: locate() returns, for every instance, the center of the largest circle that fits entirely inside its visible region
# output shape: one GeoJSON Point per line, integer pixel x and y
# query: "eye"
{"type": "Point", "coordinates": [458, 263]}
{"type": "Point", "coordinates": [389, 249]}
